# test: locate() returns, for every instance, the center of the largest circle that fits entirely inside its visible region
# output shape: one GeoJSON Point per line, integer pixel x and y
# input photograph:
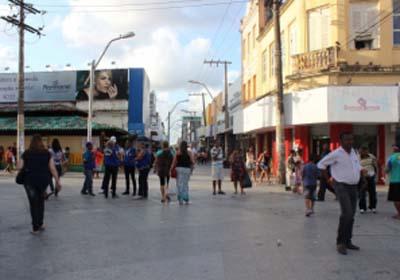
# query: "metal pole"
{"type": "Point", "coordinates": [204, 109]}
{"type": "Point", "coordinates": [21, 78]}
{"type": "Point", "coordinates": [280, 114]}
{"type": "Point", "coordinates": [169, 126]}
{"type": "Point", "coordinates": [226, 111]}
{"type": "Point", "coordinates": [90, 101]}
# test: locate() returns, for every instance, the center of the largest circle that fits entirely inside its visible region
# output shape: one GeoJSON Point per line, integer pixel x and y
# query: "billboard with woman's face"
{"type": "Point", "coordinates": [108, 84]}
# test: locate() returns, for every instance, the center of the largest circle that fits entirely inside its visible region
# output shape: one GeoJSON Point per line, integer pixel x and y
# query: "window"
{"type": "Point", "coordinates": [283, 52]}
{"type": "Point", "coordinates": [396, 22]}
{"type": "Point", "coordinates": [248, 44]}
{"type": "Point", "coordinates": [318, 29]}
{"type": "Point", "coordinates": [364, 25]}
{"type": "Point", "coordinates": [254, 87]}
{"type": "Point", "coordinates": [293, 39]}
{"type": "Point", "coordinates": [249, 90]}
{"type": "Point", "coordinates": [244, 92]}
{"type": "Point", "coordinates": [244, 49]}
{"type": "Point", "coordinates": [254, 36]}
{"type": "Point", "coordinates": [272, 59]}
{"type": "Point", "coordinates": [264, 65]}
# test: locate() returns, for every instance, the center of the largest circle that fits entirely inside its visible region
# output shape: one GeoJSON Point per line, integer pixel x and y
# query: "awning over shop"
{"type": "Point", "coordinates": [59, 124]}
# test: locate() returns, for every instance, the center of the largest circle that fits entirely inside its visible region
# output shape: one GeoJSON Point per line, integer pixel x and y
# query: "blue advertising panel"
{"type": "Point", "coordinates": [135, 107]}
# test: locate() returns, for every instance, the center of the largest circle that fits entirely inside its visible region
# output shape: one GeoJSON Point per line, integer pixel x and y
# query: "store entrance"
{"type": "Point", "coordinates": [317, 145]}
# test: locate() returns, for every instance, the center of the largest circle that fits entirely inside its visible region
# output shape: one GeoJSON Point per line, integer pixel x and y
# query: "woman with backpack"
{"type": "Point", "coordinates": [58, 157]}
{"type": "Point", "coordinates": [162, 165]}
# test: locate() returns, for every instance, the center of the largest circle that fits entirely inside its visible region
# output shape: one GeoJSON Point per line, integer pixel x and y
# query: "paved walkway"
{"type": "Point", "coordinates": [263, 235]}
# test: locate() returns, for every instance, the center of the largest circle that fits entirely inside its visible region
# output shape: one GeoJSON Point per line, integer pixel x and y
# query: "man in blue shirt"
{"type": "Point", "coordinates": [112, 160]}
{"type": "Point", "coordinates": [129, 166]}
{"type": "Point", "coordinates": [88, 167]}
{"type": "Point", "coordinates": [310, 176]}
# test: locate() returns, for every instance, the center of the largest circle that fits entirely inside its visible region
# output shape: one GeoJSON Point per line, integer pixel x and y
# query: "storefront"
{"type": "Point", "coordinates": [318, 116]}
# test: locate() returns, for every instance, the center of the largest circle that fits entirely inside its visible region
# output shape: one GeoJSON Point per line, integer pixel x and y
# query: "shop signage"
{"type": "Point", "coordinates": [362, 106]}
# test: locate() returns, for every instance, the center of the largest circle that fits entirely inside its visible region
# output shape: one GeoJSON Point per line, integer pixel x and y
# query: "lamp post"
{"type": "Point", "coordinates": [93, 66]}
{"type": "Point", "coordinates": [169, 116]}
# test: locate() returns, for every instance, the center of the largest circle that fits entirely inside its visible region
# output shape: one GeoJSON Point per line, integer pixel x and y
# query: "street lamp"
{"type": "Point", "coordinates": [169, 115]}
{"type": "Point", "coordinates": [204, 85]}
{"type": "Point", "coordinates": [93, 66]}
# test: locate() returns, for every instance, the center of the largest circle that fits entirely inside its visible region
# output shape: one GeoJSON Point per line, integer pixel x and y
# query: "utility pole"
{"type": "Point", "coordinates": [280, 113]}
{"type": "Point", "coordinates": [23, 7]}
{"type": "Point", "coordinates": [225, 63]}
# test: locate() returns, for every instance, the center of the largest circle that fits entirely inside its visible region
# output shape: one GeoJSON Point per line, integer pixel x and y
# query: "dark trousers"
{"type": "Point", "coordinates": [347, 196]}
{"type": "Point", "coordinates": [323, 186]}
{"type": "Point", "coordinates": [110, 172]}
{"type": "Point", "coordinates": [143, 184]}
{"type": "Point", "coordinates": [371, 189]}
{"type": "Point", "coordinates": [88, 183]}
{"type": "Point", "coordinates": [36, 204]}
{"type": "Point", "coordinates": [130, 171]}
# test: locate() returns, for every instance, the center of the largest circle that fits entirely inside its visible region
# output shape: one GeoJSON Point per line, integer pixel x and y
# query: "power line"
{"type": "Point", "coordinates": [124, 4]}
{"type": "Point", "coordinates": [148, 8]}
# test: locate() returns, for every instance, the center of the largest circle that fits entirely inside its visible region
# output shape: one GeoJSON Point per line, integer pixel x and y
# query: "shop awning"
{"type": "Point", "coordinates": [63, 124]}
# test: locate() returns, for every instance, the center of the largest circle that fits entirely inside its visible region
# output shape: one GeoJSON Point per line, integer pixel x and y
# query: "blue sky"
{"type": "Point", "coordinates": [170, 43]}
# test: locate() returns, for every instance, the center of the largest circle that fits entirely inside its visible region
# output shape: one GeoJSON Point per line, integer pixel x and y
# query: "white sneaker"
{"type": "Point", "coordinates": [362, 211]}
{"type": "Point", "coordinates": [373, 210]}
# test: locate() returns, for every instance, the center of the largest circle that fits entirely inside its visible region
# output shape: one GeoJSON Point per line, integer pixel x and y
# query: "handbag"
{"type": "Point", "coordinates": [173, 172]}
{"type": "Point", "coordinates": [20, 178]}
{"type": "Point", "coordinates": [246, 181]}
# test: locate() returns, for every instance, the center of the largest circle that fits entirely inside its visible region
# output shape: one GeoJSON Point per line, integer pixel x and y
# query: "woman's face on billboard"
{"type": "Point", "coordinates": [103, 81]}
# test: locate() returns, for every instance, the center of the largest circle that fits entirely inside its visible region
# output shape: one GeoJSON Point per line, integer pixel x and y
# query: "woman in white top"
{"type": "Point", "coordinates": [251, 163]}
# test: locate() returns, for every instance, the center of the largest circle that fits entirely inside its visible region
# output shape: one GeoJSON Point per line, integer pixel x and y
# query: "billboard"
{"type": "Point", "coordinates": [39, 87]}
{"type": "Point", "coordinates": [109, 84]}
{"type": "Point", "coordinates": [65, 86]}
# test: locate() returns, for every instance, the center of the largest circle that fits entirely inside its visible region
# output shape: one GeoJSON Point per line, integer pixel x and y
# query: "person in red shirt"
{"type": "Point", "coordinates": [99, 162]}
{"type": "Point", "coordinates": [9, 160]}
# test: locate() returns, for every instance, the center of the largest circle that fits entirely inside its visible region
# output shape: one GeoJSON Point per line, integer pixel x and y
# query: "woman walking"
{"type": "Point", "coordinates": [162, 166]}
{"type": "Point", "coordinates": [251, 163]}
{"type": "Point", "coordinates": [38, 166]}
{"type": "Point", "coordinates": [264, 161]}
{"type": "Point", "coordinates": [184, 163]}
{"type": "Point", "coordinates": [58, 157]}
{"type": "Point", "coordinates": [143, 163]}
{"type": "Point", "coordinates": [238, 170]}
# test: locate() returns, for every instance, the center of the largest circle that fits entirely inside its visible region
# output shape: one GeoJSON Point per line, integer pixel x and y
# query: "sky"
{"type": "Point", "coordinates": [173, 38]}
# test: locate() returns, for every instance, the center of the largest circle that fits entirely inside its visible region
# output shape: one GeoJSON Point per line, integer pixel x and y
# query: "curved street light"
{"type": "Point", "coordinates": [93, 66]}
{"type": "Point", "coordinates": [169, 115]}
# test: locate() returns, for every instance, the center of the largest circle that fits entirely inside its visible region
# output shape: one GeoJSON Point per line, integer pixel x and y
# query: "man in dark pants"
{"type": "Point", "coordinates": [346, 172]}
{"type": "Point", "coordinates": [129, 167]}
{"type": "Point", "coordinates": [324, 183]}
{"type": "Point", "coordinates": [111, 161]}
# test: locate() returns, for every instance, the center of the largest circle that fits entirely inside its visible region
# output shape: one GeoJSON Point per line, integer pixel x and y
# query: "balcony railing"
{"type": "Point", "coordinates": [316, 61]}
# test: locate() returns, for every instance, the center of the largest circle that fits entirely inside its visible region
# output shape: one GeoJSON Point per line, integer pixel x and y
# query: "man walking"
{"type": "Point", "coordinates": [393, 168]}
{"type": "Point", "coordinates": [346, 172]}
{"type": "Point", "coordinates": [217, 167]}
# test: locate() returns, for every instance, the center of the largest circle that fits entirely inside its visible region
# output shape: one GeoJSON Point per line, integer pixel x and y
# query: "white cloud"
{"type": "Point", "coordinates": [8, 58]}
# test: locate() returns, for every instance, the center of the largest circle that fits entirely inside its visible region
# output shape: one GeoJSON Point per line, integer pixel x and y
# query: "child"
{"type": "Point", "coordinates": [310, 174]}
{"type": "Point", "coordinates": [88, 166]}
{"type": "Point", "coordinates": [298, 176]}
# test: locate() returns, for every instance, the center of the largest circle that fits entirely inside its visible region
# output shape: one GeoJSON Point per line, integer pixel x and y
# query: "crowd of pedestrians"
{"type": "Point", "coordinates": [348, 174]}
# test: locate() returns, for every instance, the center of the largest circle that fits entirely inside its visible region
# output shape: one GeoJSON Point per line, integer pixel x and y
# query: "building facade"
{"type": "Point", "coordinates": [340, 62]}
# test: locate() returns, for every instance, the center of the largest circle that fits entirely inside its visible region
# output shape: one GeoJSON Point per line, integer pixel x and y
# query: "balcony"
{"type": "Point", "coordinates": [315, 61]}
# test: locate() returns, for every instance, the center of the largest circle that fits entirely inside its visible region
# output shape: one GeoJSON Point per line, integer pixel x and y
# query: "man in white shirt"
{"type": "Point", "coordinates": [217, 167]}
{"type": "Point", "coordinates": [346, 172]}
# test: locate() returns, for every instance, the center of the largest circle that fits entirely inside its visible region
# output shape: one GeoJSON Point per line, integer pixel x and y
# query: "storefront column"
{"type": "Point", "coordinates": [335, 130]}
{"type": "Point", "coordinates": [381, 153]}
{"type": "Point", "coordinates": [302, 140]}
{"type": "Point", "coordinates": [288, 141]}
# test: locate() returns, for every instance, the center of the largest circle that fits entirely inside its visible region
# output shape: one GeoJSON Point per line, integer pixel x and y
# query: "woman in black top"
{"type": "Point", "coordinates": [39, 167]}
{"type": "Point", "coordinates": [184, 163]}
{"type": "Point", "coordinates": [162, 165]}
{"type": "Point", "coordinates": [264, 162]}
